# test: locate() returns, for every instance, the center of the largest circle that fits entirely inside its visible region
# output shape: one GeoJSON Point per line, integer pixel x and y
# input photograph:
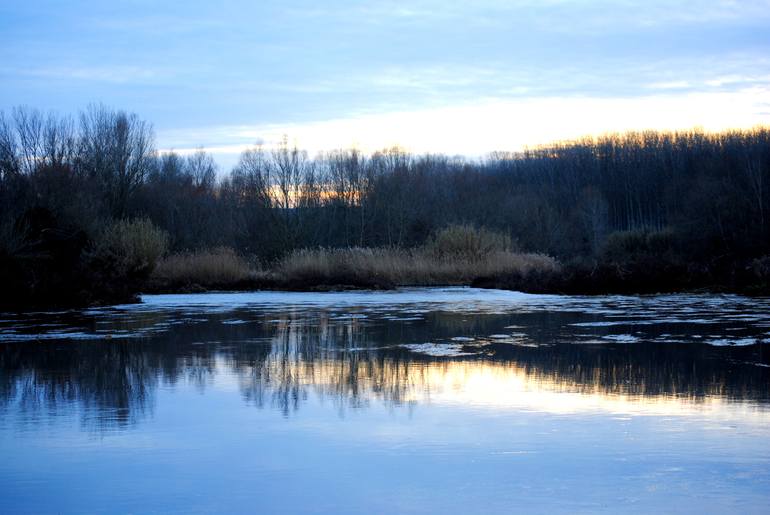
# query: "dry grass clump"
{"type": "Point", "coordinates": [398, 267]}
{"type": "Point", "coordinates": [343, 266]}
{"type": "Point", "coordinates": [211, 267]}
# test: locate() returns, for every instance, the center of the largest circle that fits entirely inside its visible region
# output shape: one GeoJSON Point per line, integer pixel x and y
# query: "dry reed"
{"type": "Point", "coordinates": [219, 266]}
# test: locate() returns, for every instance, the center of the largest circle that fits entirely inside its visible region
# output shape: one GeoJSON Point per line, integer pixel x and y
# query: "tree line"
{"type": "Point", "coordinates": [691, 194]}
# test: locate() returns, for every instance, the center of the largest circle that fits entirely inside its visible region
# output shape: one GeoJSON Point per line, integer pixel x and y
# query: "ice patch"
{"type": "Point", "coordinates": [17, 337]}
{"type": "Point", "coordinates": [621, 338]}
{"type": "Point", "coordinates": [601, 324]}
{"type": "Point", "coordinates": [438, 350]}
{"type": "Point", "coordinates": [753, 363]}
{"type": "Point", "coordinates": [590, 341]}
{"type": "Point", "coordinates": [356, 316]}
{"type": "Point", "coordinates": [732, 342]}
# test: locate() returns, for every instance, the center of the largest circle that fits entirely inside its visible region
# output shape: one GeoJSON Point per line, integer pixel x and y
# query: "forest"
{"type": "Point", "coordinates": [91, 211]}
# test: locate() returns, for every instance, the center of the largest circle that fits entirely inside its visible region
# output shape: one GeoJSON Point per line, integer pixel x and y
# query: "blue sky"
{"type": "Point", "coordinates": [455, 77]}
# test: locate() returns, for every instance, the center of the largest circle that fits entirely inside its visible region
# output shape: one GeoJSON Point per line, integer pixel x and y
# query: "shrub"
{"type": "Point", "coordinates": [468, 242]}
{"type": "Point", "coordinates": [129, 248]}
{"type": "Point", "coordinates": [210, 267]}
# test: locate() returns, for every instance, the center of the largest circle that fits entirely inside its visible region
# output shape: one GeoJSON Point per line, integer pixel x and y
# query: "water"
{"type": "Point", "coordinates": [415, 401]}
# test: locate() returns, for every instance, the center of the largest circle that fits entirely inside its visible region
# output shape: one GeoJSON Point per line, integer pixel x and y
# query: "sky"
{"type": "Point", "coordinates": [430, 75]}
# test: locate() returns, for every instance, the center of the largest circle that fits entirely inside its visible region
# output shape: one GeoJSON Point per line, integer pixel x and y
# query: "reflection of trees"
{"type": "Point", "coordinates": [649, 369]}
{"type": "Point", "coordinates": [352, 363]}
{"type": "Point", "coordinates": [287, 357]}
{"type": "Point", "coordinates": [108, 383]}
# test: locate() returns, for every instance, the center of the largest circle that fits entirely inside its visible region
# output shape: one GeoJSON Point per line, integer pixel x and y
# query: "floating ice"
{"type": "Point", "coordinates": [437, 349]}
{"type": "Point", "coordinates": [731, 342]}
{"type": "Point", "coordinates": [621, 338]}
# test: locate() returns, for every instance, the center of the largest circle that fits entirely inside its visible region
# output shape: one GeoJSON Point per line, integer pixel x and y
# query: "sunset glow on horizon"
{"type": "Point", "coordinates": [475, 130]}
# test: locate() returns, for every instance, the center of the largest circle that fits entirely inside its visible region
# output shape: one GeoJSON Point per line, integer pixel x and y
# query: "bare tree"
{"type": "Point", "coordinates": [251, 178]}
{"type": "Point", "coordinates": [117, 149]}
{"type": "Point", "coordinates": [202, 168]}
{"type": "Point", "coordinates": [9, 152]}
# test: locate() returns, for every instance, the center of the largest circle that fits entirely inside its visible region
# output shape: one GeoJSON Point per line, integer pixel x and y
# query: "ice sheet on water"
{"type": "Point", "coordinates": [405, 301]}
{"type": "Point", "coordinates": [159, 313]}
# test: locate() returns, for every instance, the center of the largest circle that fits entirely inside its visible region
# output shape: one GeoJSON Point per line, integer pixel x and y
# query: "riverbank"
{"type": "Point", "coordinates": [336, 269]}
{"type": "Point", "coordinates": [313, 270]}
{"type": "Point", "coordinates": [387, 269]}
{"type": "Point", "coordinates": [596, 278]}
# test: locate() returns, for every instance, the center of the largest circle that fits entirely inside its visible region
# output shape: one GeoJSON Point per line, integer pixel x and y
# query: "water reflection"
{"type": "Point", "coordinates": [278, 357]}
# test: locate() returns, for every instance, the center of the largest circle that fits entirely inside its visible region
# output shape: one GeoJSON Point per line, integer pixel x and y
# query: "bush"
{"type": "Point", "coordinates": [129, 248]}
{"type": "Point", "coordinates": [468, 242]}
{"type": "Point", "coordinates": [211, 267]}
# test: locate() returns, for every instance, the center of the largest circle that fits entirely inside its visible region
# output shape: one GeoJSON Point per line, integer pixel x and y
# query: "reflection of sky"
{"type": "Point", "coordinates": [454, 77]}
{"type": "Point", "coordinates": [478, 385]}
{"type": "Point", "coordinates": [459, 448]}
{"type": "Point", "coordinates": [510, 387]}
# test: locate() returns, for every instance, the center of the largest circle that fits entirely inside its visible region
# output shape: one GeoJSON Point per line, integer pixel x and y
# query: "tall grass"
{"type": "Point", "coordinates": [398, 267]}
{"type": "Point", "coordinates": [212, 267]}
{"type": "Point", "coordinates": [457, 255]}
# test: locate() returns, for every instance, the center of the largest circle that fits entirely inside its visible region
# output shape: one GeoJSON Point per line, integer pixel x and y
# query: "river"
{"type": "Point", "coordinates": [431, 400]}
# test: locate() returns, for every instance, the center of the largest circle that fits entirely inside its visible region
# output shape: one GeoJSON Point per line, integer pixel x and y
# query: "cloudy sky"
{"type": "Point", "coordinates": [432, 75]}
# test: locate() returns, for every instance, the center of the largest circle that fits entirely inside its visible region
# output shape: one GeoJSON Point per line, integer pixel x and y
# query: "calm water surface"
{"type": "Point", "coordinates": [415, 401]}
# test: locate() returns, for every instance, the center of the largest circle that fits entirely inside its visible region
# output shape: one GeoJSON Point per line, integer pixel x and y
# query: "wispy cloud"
{"type": "Point", "coordinates": [574, 16]}
{"type": "Point", "coordinates": [118, 74]}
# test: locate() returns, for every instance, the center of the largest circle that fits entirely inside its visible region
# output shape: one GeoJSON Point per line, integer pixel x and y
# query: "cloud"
{"type": "Point", "coordinates": [572, 16]}
{"type": "Point", "coordinates": [115, 74]}
{"type": "Point", "coordinates": [677, 84]}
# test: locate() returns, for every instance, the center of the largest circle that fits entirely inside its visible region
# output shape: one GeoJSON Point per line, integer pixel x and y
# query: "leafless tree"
{"type": "Point", "coordinates": [117, 149]}
{"type": "Point", "coordinates": [202, 168]}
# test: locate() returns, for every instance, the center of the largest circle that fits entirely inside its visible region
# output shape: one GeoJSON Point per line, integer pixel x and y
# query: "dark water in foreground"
{"type": "Point", "coordinates": [418, 401]}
